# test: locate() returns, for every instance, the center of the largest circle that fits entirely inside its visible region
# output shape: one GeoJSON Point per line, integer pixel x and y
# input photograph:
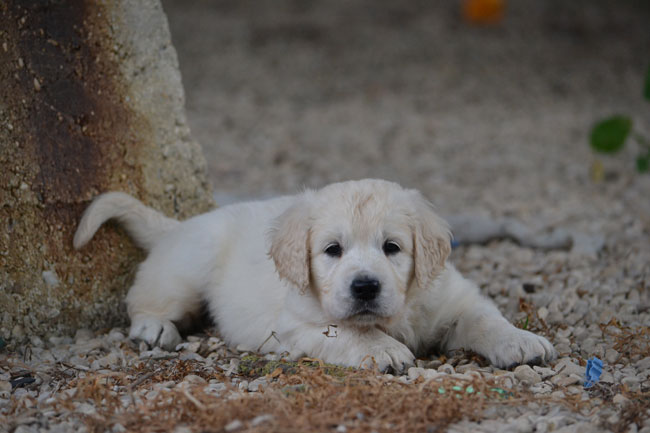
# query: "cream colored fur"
{"type": "Point", "coordinates": [263, 269]}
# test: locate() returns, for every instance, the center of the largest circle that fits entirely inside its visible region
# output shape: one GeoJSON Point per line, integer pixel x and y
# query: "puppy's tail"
{"type": "Point", "coordinates": [143, 223]}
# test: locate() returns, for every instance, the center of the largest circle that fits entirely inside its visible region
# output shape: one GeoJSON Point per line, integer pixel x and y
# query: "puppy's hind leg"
{"type": "Point", "coordinates": [156, 303]}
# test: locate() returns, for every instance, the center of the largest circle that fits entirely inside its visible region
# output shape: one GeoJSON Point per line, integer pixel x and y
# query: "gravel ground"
{"type": "Point", "coordinates": [488, 121]}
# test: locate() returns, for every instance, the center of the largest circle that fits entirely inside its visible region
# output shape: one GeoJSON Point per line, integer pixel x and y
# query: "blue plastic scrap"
{"type": "Point", "coordinates": [592, 374]}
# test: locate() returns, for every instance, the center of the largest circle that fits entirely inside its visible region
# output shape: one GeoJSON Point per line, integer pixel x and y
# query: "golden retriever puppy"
{"type": "Point", "coordinates": [354, 274]}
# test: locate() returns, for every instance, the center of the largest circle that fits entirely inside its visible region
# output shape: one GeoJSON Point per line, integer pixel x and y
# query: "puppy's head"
{"type": "Point", "coordinates": [361, 246]}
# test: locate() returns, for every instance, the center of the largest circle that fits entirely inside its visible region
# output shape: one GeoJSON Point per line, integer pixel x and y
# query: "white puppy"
{"type": "Point", "coordinates": [353, 274]}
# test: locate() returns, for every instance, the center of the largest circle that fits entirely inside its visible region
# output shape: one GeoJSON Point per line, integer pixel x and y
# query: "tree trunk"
{"type": "Point", "coordinates": [90, 101]}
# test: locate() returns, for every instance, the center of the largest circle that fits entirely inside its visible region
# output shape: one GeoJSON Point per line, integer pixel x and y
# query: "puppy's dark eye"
{"type": "Point", "coordinates": [334, 250]}
{"type": "Point", "coordinates": [391, 248]}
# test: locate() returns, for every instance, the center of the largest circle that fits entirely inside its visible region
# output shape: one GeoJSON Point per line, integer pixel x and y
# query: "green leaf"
{"type": "Point", "coordinates": [608, 135]}
{"type": "Point", "coordinates": [646, 89]}
{"type": "Point", "coordinates": [643, 163]}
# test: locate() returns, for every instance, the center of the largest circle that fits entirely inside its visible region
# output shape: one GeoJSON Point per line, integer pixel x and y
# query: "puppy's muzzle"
{"type": "Point", "coordinates": [365, 289]}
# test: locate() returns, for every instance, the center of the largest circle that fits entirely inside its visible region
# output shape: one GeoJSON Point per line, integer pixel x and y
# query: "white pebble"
{"type": "Point", "coordinates": [426, 373]}
{"type": "Point", "coordinates": [194, 379]}
{"type": "Point", "coordinates": [525, 372]}
{"type": "Point", "coordinates": [619, 399]}
{"type": "Point", "coordinates": [234, 425]}
{"type": "Point", "coordinates": [544, 372]}
{"type": "Point", "coordinates": [260, 419]}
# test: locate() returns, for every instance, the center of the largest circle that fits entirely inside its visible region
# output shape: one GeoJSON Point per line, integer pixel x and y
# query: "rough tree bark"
{"type": "Point", "coordinates": [90, 101]}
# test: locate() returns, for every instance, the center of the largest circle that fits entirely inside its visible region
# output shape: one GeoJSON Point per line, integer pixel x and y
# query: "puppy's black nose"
{"type": "Point", "coordinates": [365, 289]}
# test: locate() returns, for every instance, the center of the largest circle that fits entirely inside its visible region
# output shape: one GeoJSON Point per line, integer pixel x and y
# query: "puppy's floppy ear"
{"type": "Point", "coordinates": [290, 243]}
{"type": "Point", "coordinates": [431, 241]}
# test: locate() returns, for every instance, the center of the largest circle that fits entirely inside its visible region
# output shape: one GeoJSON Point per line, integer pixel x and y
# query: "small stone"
{"type": "Point", "coordinates": [234, 425]}
{"type": "Point", "coordinates": [158, 353]}
{"type": "Point", "coordinates": [86, 346]}
{"type": "Point", "coordinates": [232, 367]}
{"type": "Point", "coordinates": [611, 356]}
{"type": "Point", "coordinates": [541, 388]}
{"type": "Point", "coordinates": [36, 341]}
{"type": "Point", "coordinates": [574, 390]}
{"type": "Point", "coordinates": [643, 364]}
{"type": "Point", "coordinates": [86, 409]}
{"type": "Point", "coordinates": [541, 427]}
{"type": "Point", "coordinates": [260, 382]}
{"type": "Point", "coordinates": [194, 379]}
{"type": "Point", "coordinates": [404, 379]}
{"type": "Point", "coordinates": [167, 385]}
{"type": "Point", "coordinates": [566, 366]}
{"type": "Point", "coordinates": [606, 377]}
{"type": "Point", "coordinates": [466, 368]}
{"type": "Point", "coordinates": [51, 279]}
{"type": "Point", "coordinates": [37, 85]}
{"type": "Point", "coordinates": [563, 348]}
{"type": "Point", "coordinates": [83, 335]}
{"type": "Point", "coordinates": [525, 372]}
{"type": "Point", "coordinates": [17, 333]}
{"type": "Point", "coordinates": [272, 357]}
{"type": "Point", "coordinates": [506, 380]}
{"type": "Point", "coordinates": [446, 368]}
{"type": "Point", "coordinates": [25, 429]}
{"type": "Point", "coordinates": [216, 387]}
{"type": "Point", "coordinates": [189, 346]}
{"type": "Point", "coordinates": [544, 372]}
{"type": "Point", "coordinates": [5, 389]}
{"type": "Point", "coordinates": [115, 335]}
{"type": "Point", "coordinates": [619, 399]}
{"type": "Point", "coordinates": [260, 419]}
{"type": "Point", "coordinates": [191, 356]}
{"type": "Point", "coordinates": [460, 376]}
{"type": "Point", "coordinates": [521, 424]}
{"type": "Point", "coordinates": [434, 364]}
{"type": "Point", "coordinates": [633, 382]}
{"type": "Point", "coordinates": [588, 345]}
{"type": "Point", "coordinates": [426, 373]}
{"type": "Point", "coordinates": [561, 380]}
{"type": "Point", "coordinates": [542, 313]}
{"type": "Point", "coordinates": [341, 428]}
{"type": "Point", "coordinates": [214, 343]}
{"type": "Point", "coordinates": [109, 360]}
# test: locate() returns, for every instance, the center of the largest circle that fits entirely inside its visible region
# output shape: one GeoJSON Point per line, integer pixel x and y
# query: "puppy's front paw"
{"type": "Point", "coordinates": [155, 332]}
{"type": "Point", "coordinates": [390, 356]}
{"type": "Point", "coordinates": [517, 346]}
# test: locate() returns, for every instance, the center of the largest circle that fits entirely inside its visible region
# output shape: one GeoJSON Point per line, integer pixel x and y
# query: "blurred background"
{"type": "Point", "coordinates": [485, 110]}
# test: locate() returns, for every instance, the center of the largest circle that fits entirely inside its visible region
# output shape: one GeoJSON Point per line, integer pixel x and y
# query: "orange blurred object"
{"type": "Point", "coordinates": [483, 11]}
